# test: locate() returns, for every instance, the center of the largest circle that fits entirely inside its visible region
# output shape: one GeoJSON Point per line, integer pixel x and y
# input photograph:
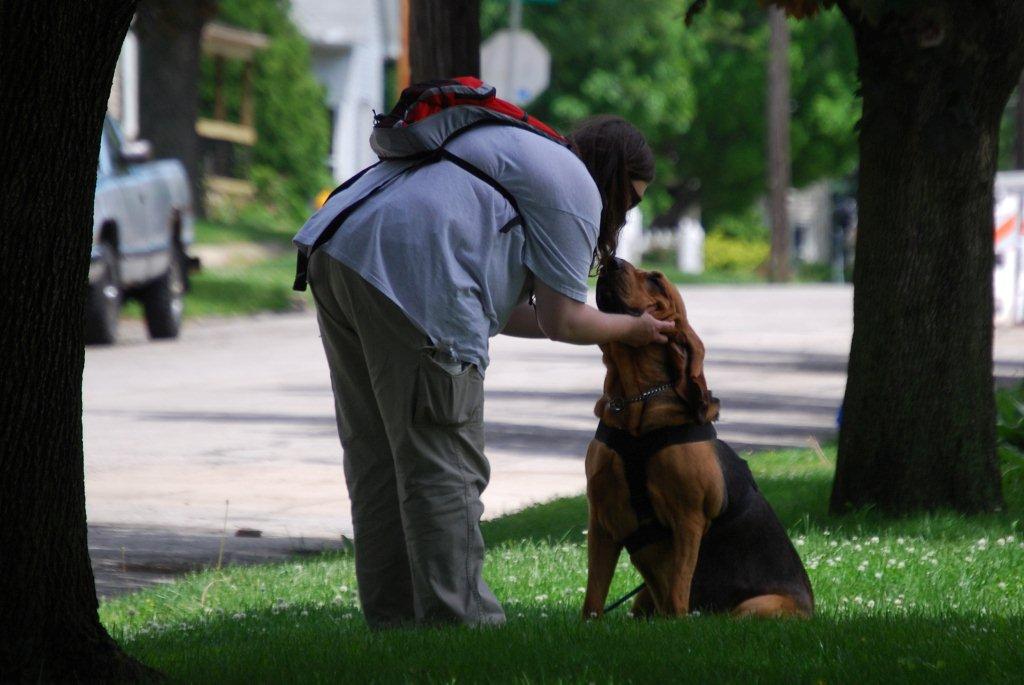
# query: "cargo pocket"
{"type": "Point", "coordinates": [446, 398]}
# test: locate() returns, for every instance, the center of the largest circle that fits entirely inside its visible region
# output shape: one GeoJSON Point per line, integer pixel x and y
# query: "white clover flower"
{"type": "Point", "coordinates": [871, 604]}
{"type": "Point", "coordinates": [878, 574]}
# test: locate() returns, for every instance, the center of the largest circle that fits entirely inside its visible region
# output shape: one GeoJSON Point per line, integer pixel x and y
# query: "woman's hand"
{"type": "Point", "coordinates": [565, 320]}
{"type": "Point", "coordinates": [647, 330]}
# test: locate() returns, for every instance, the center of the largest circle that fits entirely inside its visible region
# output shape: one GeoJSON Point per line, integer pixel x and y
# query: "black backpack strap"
{"type": "Point", "coordinates": [302, 264]}
{"type": "Point", "coordinates": [302, 259]}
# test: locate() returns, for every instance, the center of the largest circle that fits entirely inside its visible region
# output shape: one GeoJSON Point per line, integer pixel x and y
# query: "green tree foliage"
{"type": "Point", "coordinates": [697, 92]}
{"type": "Point", "coordinates": [288, 160]}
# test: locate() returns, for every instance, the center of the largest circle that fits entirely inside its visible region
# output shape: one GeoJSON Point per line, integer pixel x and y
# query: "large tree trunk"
{"type": "Point", "coordinates": [169, 40]}
{"type": "Point", "coordinates": [57, 64]}
{"type": "Point", "coordinates": [918, 428]}
{"type": "Point", "coordinates": [444, 39]}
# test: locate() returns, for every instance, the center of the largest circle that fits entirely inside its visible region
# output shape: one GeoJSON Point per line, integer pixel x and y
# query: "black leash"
{"type": "Point", "coordinates": [619, 602]}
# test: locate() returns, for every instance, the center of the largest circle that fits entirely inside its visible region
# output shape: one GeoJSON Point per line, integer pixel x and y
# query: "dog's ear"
{"type": "Point", "coordinates": [696, 392]}
{"type": "Point", "coordinates": [686, 355]}
{"type": "Point", "coordinates": [620, 381]}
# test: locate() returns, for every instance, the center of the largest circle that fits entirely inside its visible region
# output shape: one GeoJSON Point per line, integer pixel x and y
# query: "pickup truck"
{"type": "Point", "coordinates": [142, 228]}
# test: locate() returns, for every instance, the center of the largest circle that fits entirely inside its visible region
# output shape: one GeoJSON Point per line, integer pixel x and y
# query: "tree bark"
{"type": "Point", "coordinates": [444, 39]}
{"type": "Point", "coordinates": [57, 64]}
{"type": "Point", "coordinates": [918, 429]}
{"type": "Point", "coordinates": [777, 106]}
{"type": "Point", "coordinates": [170, 33]}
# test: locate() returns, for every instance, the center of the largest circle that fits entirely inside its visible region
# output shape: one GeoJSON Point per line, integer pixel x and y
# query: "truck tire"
{"type": "Point", "coordinates": [164, 299]}
{"type": "Point", "coordinates": [103, 302]}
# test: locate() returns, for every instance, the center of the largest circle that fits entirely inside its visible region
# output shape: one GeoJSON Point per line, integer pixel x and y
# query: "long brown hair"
{"type": "Point", "coordinates": [615, 153]}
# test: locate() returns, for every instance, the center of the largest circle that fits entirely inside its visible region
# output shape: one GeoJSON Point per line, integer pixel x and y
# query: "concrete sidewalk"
{"type": "Point", "coordinates": [239, 411]}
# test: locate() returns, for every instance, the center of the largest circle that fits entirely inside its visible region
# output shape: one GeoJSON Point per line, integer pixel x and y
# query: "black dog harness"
{"type": "Point", "coordinates": [635, 452]}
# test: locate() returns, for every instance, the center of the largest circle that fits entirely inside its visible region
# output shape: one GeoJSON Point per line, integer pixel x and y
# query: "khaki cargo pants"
{"type": "Point", "coordinates": [411, 427]}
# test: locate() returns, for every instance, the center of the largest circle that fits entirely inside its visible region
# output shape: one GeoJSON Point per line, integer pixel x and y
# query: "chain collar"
{"type": "Point", "coordinates": [618, 404]}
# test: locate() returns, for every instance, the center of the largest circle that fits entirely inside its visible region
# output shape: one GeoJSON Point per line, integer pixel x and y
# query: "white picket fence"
{"type": "Point", "coordinates": [686, 240]}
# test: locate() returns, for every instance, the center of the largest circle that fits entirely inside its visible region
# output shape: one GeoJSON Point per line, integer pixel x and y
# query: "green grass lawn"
{"type": "Point", "coordinates": [246, 289]}
{"type": "Point", "coordinates": [805, 273]}
{"type": "Point", "coordinates": [936, 598]}
{"type": "Point", "coordinates": [265, 230]}
{"type": "Point", "coordinates": [250, 289]}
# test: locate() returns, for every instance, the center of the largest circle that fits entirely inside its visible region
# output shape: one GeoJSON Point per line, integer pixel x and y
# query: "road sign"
{"type": "Point", "coordinates": [516, 64]}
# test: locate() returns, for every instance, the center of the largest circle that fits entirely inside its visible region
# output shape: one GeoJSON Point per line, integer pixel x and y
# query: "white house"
{"type": "Point", "coordinates": [351, 42]}
{"type": "Point", "coordinates": [123, 101]}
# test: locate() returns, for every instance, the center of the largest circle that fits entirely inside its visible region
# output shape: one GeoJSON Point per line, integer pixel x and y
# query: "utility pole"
{"type": "Point", "coordinates": [778, 142]}
{"type": "Point", "coordinates": [515, 23]}
{"type": "Point", "coordinates": [444, 39]}
{"type": "Point", "coordinates": [402, 67]}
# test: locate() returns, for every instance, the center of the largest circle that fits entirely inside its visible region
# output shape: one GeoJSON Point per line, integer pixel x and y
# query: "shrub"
{"type": "Point", "coordinates": [722, 253]}
{"type": "Point", "coordinates": [747, 225]}
{"type": "Point", "coordinates": [1010, 430]}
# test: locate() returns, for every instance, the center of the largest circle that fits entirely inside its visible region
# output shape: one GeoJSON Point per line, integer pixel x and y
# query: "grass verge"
{"type": "Point", "coordinates": [932, 598]}
{"type": "Point", "coordinates": [265, 285]}
{"type": "Point", "coordinates": [250, 289]}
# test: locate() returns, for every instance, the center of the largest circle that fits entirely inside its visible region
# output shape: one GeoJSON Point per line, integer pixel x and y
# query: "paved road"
{"type": "Point", "coordinates": [238, 415]}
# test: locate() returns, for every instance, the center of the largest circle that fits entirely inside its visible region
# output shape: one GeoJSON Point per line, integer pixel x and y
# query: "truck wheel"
{"type": "Point", "coordinates": [103, 303]}
{"type": "Point", "coordinates": [164, 299]}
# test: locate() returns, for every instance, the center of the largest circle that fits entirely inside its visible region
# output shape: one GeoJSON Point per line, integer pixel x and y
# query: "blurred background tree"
{"type": "Point", "coordinates": [289, 160]}
{"type": "Point", "coordinates": [169, 38]}
{"type": "Point", "coordinates": [698, 94]}
{"type": "Point", "coordinates": [919, 423]}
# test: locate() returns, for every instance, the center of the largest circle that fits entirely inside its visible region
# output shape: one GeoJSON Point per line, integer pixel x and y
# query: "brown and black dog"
{"type": "Point", "coordinates": [662, 485]}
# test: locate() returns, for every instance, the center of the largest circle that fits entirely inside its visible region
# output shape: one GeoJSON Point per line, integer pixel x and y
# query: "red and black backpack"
{"type": "Point", "coordinates": [428, 116]}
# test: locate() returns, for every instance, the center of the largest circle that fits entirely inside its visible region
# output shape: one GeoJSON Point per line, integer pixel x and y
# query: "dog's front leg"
{"type": "Point", "coordinates": [602, 556]}
{"type": "Point", "coordinates": [685, 546]}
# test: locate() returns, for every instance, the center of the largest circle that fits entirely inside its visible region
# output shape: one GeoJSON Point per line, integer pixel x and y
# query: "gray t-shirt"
{"type": "Point", "coordinates": [431, 240]}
